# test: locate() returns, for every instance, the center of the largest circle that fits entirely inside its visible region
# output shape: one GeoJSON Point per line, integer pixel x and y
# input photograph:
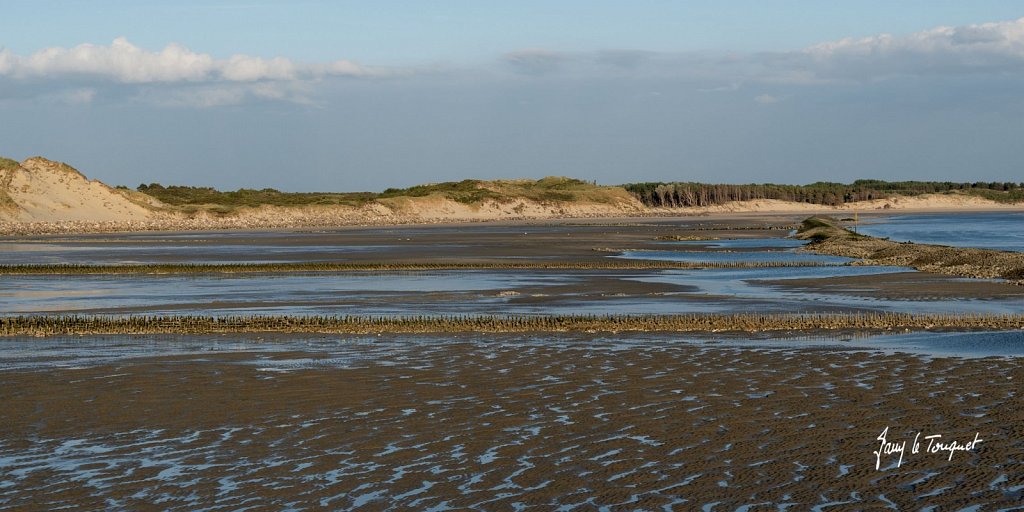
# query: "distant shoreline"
{"type": "Point", "coordinates": [40, 197]}
{"type": "Point", "coordinates": [298, 218]}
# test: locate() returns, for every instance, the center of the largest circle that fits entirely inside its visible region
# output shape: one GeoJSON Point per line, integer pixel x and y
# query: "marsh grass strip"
{"type": "Point", "coordinates": [51, 325]}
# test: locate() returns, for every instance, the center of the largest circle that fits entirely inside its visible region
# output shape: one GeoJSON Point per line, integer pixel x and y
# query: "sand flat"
{"type": "Point", "coordinates": [479, 424]}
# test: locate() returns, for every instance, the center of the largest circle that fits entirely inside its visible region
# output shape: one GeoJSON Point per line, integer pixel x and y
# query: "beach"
{"type": "Point", "coordinates": [475, 371]}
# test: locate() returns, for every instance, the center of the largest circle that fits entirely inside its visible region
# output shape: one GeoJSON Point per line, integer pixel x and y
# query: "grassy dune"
{"type": "Point", "coordinates": [550, 189]}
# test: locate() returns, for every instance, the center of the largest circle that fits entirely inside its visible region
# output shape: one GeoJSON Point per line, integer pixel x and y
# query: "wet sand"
{"type": "Point", "coordinates": [505, 423]}
{"type": "Point", "coordinates": [571, 242]}
{"type": "Point", "coordinates": [492, 421]}
{"type": "Point", "coordinates": [466, 243]}
{"type": "Point", "coordinates": [903, 286]}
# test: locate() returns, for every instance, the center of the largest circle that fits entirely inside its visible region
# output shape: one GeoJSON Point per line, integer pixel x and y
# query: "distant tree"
{"type": "Point", "coordinates": [689, 194]}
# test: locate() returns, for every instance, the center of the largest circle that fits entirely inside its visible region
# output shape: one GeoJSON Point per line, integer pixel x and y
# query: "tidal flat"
{"type": "Point", "coordinates": [507, 422]}
{"type": "Point", "coordinates": [786, 420]}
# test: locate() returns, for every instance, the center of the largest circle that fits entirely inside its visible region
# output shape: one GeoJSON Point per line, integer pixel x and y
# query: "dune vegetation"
{"type": "Point", "coordinates": [7, 163]}
{"type": "Point", "coordinates": [550, 189]}
{"type": "Point", "coordinates": [561, 189]}
{"type": "Point", "coordinates": [6, 166]}
{"type": "Point", "coordinates": [176, 195]}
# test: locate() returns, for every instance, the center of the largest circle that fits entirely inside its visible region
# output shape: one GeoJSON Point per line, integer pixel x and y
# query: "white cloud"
{"type": "Point", "coordinates": [1001, 38]}
{"type": "Point", "coordinates": [994, 48]}
{"type": "Point", "coordinates": [177, 75]}
{"type": "Point", "coordinates": [243, 68]}
{"type": "Point", "coordinates": [174, 76]}
{"type": "Point", "coordinates": [977, 48]}
{"type": "Point", "coordinates": [126, 63]}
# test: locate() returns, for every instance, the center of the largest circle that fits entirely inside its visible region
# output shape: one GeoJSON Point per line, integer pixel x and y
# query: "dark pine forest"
{"type": "Point", "coordinates": [687, 194]}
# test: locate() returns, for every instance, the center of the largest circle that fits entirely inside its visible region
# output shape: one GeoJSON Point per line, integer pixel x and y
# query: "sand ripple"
{"type": "Point", "coordinates": [485, 425]}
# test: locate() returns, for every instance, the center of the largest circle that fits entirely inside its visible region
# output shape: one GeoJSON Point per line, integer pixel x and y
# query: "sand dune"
{"type": "Point", "coordinates": [42, 196]}
{"type": "Point", "coordinates": [40, 190]}
{"type": "Point", "coordinates": [443, 209]}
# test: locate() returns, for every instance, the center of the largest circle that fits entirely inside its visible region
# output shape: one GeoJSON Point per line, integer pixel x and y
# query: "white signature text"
{"type": "Point", "coordinates": [934, 443]}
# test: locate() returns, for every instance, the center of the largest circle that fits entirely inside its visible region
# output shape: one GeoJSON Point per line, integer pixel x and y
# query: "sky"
{"type": "Point", "coordinates": [340, 95]}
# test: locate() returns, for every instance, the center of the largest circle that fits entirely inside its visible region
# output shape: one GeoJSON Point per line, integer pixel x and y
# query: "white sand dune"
{"type": "Point", "coordinates": [40, 190]}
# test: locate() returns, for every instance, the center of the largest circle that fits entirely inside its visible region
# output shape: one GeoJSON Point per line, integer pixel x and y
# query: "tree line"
{"type": "Point", "coordinates": [687, 194]}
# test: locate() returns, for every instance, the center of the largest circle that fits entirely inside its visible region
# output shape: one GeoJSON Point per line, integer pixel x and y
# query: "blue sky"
{"type": "Point", "coordinates": [345, 95]}
{"type": "Point", "coordinates": [392, 32]}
